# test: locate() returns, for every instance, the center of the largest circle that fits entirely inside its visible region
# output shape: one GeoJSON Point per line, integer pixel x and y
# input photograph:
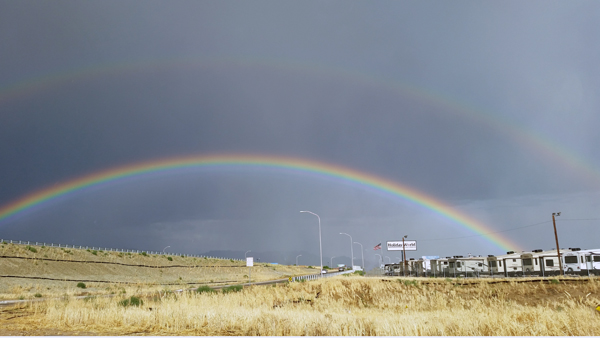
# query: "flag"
{"type": "Point", "coordinates": [377, 247]}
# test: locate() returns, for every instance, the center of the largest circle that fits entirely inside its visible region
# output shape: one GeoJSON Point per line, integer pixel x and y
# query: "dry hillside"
{"type": "Point", "coordinates": [29, 270]}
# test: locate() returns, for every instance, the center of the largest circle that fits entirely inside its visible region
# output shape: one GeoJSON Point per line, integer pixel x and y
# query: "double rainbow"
{"type": "Point", "coordinates": [301, 166]}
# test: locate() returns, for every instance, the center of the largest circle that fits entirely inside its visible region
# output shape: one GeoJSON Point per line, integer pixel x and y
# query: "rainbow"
{"type": "Point", "coordinates": [297, 165]}
{"type": "Point", "coordinates": [537, 143]}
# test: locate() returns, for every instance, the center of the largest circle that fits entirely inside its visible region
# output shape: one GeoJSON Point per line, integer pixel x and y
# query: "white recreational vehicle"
{"type": "Point", "coordinates": [540, 263]}
{"type": "Point", "coordinates": [581, 262]}
{"type": "Point", "coordinates": [466, 266]}
{"type": "Point", "coordinates": [506, 265]}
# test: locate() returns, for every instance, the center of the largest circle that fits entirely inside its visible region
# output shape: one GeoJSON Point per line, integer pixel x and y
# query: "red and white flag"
{"type": "Point", "coordinates": [377, 247]}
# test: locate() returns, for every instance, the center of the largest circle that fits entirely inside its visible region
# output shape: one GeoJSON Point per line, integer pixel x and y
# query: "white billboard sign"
{"type": "Point", "coordinates": [397, 245]}
{"type": "Point", "coordinates": [249, 261]}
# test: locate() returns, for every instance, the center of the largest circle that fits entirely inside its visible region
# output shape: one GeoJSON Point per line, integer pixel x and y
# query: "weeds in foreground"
{"type": "Point", "coordinates": [342, 306]}
{"type": "Point", "coordinates": [205, 288]}
{"type": "Point", "coordinates": [131, 301]}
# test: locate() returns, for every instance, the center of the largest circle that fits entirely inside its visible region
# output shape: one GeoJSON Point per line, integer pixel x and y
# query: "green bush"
{"type": "Point", "coordinates": [233, 288]}
{"type": "Point", "coordinates": [38, 295]}
{"type": "Point", "coordinates": [143, 253]}
{"type": "Point", "coordinates": [231, 260]}
{"type": "Point", "coordinates": [94, 252]}
{"type": "Point", "coordinates": [554, 281]}
{"type": "Point", "coordinates": [131, 301]}
{"type": "Point", "coordinates": [326, 267]}
{"type": "Point", "coordinates": [409, 282]}
{"type": "Point", "coordinates": [182, 256]}
{"type": "Point", "coordinates": [310, 267]}
{"type": "Point", "coordinates": [32, 249]}
{"type": "Point", "coordinates": [360, 273]}
{"type": "Point", "coordinates": [170, 258]}
{"type": "Point", "coordinates": [81, 285]}
{"type": "Point", "coordinates": [205, 288]}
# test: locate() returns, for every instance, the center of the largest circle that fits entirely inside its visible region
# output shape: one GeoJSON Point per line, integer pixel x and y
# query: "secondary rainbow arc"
{"type": "Point", "coordinates": [32, 200]}
{"type": "Point", "coordinates": [536, 142]}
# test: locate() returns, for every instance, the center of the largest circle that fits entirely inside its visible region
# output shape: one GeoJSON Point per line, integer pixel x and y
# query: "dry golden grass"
{"type": "Point", "coordinates": [335, 306]}
{"type": "Point", "coordinates": [196, 271]}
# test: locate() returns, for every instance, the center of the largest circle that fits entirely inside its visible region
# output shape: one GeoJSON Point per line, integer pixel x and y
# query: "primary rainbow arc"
{"type": "Point", "coordinates": [295, 164]}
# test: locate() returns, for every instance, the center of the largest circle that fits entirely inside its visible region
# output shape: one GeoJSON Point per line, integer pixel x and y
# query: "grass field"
{"type": "Point", "coordinates": [334, 306]}
{"type": "Point", "coordinates": [157, 272]}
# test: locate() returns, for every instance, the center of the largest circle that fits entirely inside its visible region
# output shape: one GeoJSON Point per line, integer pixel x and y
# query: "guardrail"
{"type": "Point", "coordinates": [66, 246]}
{"type": "Point", "coordinates": [317, 276]}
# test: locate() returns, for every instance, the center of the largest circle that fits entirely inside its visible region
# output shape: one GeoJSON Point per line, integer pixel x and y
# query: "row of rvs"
{"type": "Point", "coordinates": [535, 263]}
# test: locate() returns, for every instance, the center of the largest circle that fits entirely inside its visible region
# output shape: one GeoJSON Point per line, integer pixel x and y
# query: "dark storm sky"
{"type": "Point", "coordinates": [427, 94]}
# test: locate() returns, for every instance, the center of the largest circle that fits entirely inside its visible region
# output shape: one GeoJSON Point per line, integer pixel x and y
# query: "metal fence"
{"type": "Point", "coordinates": [110, 249]}
{"type": "Point", "coordinates": [317, 276]}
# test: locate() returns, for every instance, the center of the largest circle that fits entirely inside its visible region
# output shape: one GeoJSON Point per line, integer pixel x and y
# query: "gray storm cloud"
{"type": "Point", "coordinates": [97, 85]}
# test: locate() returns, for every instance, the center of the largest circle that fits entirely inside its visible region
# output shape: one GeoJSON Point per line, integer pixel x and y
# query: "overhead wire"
{"type": "Point", "coordinates": [507, 230]}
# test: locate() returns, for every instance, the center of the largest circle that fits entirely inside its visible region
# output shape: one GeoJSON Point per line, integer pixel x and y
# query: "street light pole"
{"type": "Point", "coordinates": [297, 259]}
{"type": "Point", "coordinates": [168, 246]}
{"type": "Point", "coordinates": [320, 245]}
{"type": "Point", "coordinates": [331, 262]}
{"type": "Point", "coordinates": [557, 247]}
{"type": "Point", "coordinates": [388, 258]}
{"type": "Point", "coordinates": [351, 249]}
{"type": "Point", "coordinates": [246, 253]}
{"type": "Point", "coordinates": [362, 252]}
{"type": "Point", "coordinates": [380, 260]}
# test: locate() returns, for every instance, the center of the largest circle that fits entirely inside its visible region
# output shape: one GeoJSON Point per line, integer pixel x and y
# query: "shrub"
{"type": "Point", "coordinates": [4, 242]}
{"type": "Point", "coordinates": [554, 281]}
{"type": "Point", "coordinates": [143, 253]}
{"type": "Point", "coordinates": [94, 252]}
{"type": "Point", "coordinates": [310, 267]}
{"type": "Point", "coordinates": [231, 260]}
{"type": "Point", "coordinates": [170, 258]}
{"type": "Point", "coordinates": [360, 273]}
{"type": "Point", "coordinates": [32, 249]}
{"type": "Point", "coordinates": [38, 295]}
{"type": "Point", "coordinates": [131, 301]}
{"type": "Point", "coordinates": [89, 298]}
{"type": "Point", "coordinates": [81, 285]}
{"type": "Point", "coordinates": [233, 288]}
{"type": "Point", "coordinates": [408, 282]}
{"type": "Point", "coordinates": [205, 288]}
{"type": "Point", "coordinates": [326, 267]}
{"type": "Point", "coordinates": [182, 256]}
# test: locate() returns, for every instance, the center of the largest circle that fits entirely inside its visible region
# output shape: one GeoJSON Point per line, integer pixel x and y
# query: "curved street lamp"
{"type": "Point", "coordinates": [388, 258]}
{"type": "Point", "coordinates": [168, 246]}
{"type": "Point", "coordinates": [331, 261]}
{"type": "Point", "coordinates": [362, 252]}
{"type": "Point", "coordinates": [351, 248]}
{"type": "Point", "coordinates": [246, 253]}
{"type": "Point", "coordinates": [380, 260]}
{"type": "Point", "coordinates": [320, 246]}
{"type": "Point", "coordinates": [297, 259]}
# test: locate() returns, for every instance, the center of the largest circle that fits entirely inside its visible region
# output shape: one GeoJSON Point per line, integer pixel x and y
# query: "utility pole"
{"type": "Point", "coordinates": [404, 256]}
{"type": "Point", "coordinates": [557, 247]}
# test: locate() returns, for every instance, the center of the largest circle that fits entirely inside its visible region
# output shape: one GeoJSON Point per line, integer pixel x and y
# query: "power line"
{"type": "Point", "coordinates": [512, 229]}
{"type": "Point", "coordinates": [580, 219]}
{"type": "Point", "coordinates": [487, 233]}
